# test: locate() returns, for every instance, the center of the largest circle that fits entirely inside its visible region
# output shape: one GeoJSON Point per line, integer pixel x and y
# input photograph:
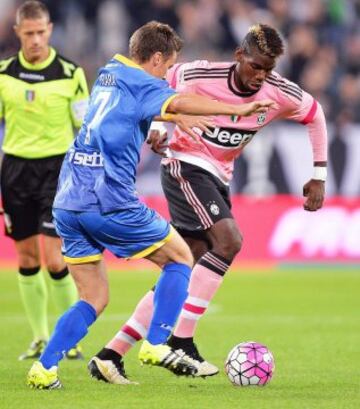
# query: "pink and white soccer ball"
{"type": "Point", "coordinates": [250, 363]}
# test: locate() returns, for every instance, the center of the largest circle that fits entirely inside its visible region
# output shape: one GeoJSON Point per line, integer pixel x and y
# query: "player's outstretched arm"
{"type": "Point", "coordinates": [314, 190]}
{"type": "Point", "coordinates": [197, 105]}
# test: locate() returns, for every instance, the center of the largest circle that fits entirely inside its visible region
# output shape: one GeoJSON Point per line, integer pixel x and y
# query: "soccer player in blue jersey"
{"type": "Point", "coordinates": [96, 205]}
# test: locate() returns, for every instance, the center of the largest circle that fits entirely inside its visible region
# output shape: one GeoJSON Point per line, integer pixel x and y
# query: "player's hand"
{"type": "Point", "coordinates": [314, 191]}
{"type": "Point", "coordinates": [256, 107]}
{"type": "Point", "coordinates": [187, 122]}
{"type": "Point", "coordinates": [159, 141]}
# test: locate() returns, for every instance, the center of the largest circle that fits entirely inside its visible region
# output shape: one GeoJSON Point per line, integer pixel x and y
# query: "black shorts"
{"type": "Point", "coordinates": [196, 198]}
{"type": "Point", "coordinates": [28, 188]}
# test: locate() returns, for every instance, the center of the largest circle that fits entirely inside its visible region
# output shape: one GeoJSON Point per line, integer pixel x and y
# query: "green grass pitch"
{"type": "Point", "coordinates": [309, 318]}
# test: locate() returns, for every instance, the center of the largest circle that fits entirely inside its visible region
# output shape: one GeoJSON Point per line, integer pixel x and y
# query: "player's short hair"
{"type": "Point", "coordinates": [32, 10]}
{"type": "Point", "coordinates": [151, 38]}
{"type": "Point", "coordinates": [265, 38]}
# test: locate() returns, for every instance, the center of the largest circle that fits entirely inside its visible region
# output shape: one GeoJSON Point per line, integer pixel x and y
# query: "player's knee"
{"type": "Point", "coordinates": [181, 253]}
{"type": "Point", "coordinates": [28, 259]}
{"type": "Point", "coordinates": [188, 257]}
{"type": "Point", "coordinates": [100, 306]}
{"type": "Point", "coordinates": [56, 267]}
{"type": "Point", "coordinates": [58, 274]}
{"type": "Point", "coordinates": [230, 247]}
{"type": "Point", "coordinates": [99, 303]}
{"type": "Point", "coordinates": [97, 296]}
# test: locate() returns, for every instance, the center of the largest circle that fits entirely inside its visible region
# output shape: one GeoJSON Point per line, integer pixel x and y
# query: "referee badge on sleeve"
{"type": "Point", "coordinates": [29, 95]}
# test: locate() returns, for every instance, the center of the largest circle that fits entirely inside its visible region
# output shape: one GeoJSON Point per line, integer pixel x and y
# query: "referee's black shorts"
{"type": "Point", "coordinates": [196, 198]}
{"type": "Point", "coordinates": [28, 188]}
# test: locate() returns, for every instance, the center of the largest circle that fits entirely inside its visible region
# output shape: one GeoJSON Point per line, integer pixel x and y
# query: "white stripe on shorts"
{"type": "Point", "coordinates": [191, 198]}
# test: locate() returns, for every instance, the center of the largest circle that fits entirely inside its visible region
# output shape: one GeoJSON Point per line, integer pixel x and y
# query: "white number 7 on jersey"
{"type": "Point", "coordinates": [100, 102]}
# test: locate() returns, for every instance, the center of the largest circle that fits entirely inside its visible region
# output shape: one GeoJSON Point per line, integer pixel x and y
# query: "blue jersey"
{"type": "Point", "coordinates": [99, 170]}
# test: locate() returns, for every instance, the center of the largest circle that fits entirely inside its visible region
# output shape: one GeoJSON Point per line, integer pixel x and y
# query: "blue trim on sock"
{"type": "Point", "coordinates": [71, 327]}
{"type": "Point", "coordinates": [169, 297]}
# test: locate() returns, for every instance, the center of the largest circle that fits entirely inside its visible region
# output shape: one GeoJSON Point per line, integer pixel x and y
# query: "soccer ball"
{"type": "Point", "coordinates": [249, 363]}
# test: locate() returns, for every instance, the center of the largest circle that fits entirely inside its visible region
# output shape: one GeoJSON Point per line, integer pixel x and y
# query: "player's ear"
{"type": "Point", "coordinates": [239, 53]}
{"type": "Point", "coordinates": [16, 29]}
{"type": "Point", "coordinates": [50, 27]}
{"type": "Point", "coordinates": [157, 58]}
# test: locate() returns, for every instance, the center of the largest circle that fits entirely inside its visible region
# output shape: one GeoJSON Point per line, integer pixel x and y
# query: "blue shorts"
{"type": "Point", "coordinates": [129, 233]}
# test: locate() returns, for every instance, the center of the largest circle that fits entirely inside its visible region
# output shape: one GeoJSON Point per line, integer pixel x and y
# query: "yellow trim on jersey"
{"type": "Point", "coordinates": [153, 247]}
{"type": "Point", "coordinates": [127, 61]}
{"type": "Point", "coordinates": [168, 117]}
{"type": "Point", "coordinates": [166, 104]}
{"type": "Point", "coordinates": [83, 260]}
{"type": "Point", "coordinates": [41, 65]}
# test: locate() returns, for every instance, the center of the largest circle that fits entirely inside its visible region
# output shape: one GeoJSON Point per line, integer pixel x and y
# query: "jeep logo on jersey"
{"type": "Point", "coordinates": [228, 137]}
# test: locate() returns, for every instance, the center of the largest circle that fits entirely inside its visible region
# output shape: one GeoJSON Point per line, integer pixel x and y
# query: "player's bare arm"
{"type": "Point", "coordinates": [198, 105]}
{"type": "Point", "coordinates": [314, 189]}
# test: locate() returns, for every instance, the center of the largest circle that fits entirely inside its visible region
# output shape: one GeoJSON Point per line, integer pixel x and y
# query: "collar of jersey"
{"type": "Point", "coordinates": [127, 61]}
{"type": "Point", "coordinates": [41, 65]}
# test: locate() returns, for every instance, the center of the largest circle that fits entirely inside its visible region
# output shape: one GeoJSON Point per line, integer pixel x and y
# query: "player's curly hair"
{"type": "Point", "coordinates": [151, 38]}
{"type": "Point", "coordinates": [267, 40]}
{"type": "Point", "coordinates": [31, 9]}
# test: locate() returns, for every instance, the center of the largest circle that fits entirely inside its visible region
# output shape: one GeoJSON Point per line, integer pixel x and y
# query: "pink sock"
{"type": "Point", "coordinates": [135, 328]}
{"type": "Point", "coordinates": [205, 280]}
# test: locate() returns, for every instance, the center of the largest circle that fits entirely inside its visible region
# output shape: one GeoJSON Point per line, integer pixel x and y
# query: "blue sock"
{"type": "Point", "coordinates": [69, 330]}
{"type": "Point", "coordinates": [169, 297]}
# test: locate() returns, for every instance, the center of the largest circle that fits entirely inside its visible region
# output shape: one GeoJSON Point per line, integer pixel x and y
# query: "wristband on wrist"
{"type": "Point", "coordinates": [320, 173]}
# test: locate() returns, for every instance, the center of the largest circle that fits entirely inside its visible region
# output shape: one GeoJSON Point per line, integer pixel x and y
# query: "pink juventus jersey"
{"type": "Point", "coordinates": [217, 150]}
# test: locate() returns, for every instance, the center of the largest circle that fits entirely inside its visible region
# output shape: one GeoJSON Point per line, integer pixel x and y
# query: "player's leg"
{"type": "Point", "coordinates": [62, 286]}
{"type": "Point", "coordinates": [73, 325]}
{"type": "Point", "coordinates": [136, 327]}
{"type": "Point", "coordinates": [33, 293]}
{"type": "Point", "coordinates": [63, 289]}
{"type": "Point", "coordinates": [206, 279]}
{"type": "Point", "coordinates": [208, 274]}
{"type": "Point", "coordinates": [84, 258]}
{"type": "Point", "coordinates": [64, 292]}
{"type": "Point", "coordinates": [21, 224]}
{"type": "Point", "coordinates": [167, 249]}
{"type": "Point", "coordinates": [200, 206]}
{"type": "Point", "coordinates": [92, 282]}
{"type": "Point", "coordinates": [176, 260]}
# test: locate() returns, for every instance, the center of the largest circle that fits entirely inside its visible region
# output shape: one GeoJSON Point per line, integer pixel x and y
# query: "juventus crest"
{"type": "Point", "coordinates": [261, 118]}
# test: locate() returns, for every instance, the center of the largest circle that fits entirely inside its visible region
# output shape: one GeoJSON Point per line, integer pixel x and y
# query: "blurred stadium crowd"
{"type": "Point", "coordinates": [323, 37]}
{"type": "Point", "coordinates": [322, 43]}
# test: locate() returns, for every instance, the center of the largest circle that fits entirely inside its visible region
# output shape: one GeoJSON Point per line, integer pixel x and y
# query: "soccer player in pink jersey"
{"type": "Point", "coordinates": [196, 176]}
